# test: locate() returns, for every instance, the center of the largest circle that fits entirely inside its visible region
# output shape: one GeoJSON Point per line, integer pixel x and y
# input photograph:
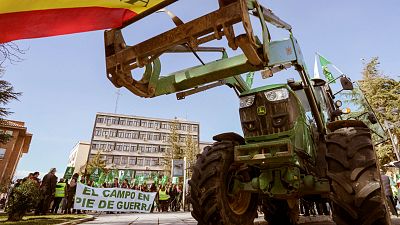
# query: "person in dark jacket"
{"type": "Point", "coordinates": [116, 183]}
{"type": "Point", "coordinates": [388, 192]}
{"type": "Point", "coordinates": [48, 189]}
{"type": "Point", "coordinates": [71, 191]}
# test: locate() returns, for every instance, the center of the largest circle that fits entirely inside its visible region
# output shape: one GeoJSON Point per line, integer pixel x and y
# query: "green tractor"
{"type": "Point", "coordinates": [284, 157]}
{"type": "Point", "coordinates": [295, 144]}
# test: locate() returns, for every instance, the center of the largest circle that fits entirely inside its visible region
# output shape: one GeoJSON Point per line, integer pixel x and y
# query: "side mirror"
{"type": "Point", "coordinates": [346, 83]}
{"type": "Point", "coordinates": [371, 117]}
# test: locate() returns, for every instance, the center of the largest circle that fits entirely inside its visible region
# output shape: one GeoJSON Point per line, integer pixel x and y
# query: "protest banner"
{"type": "Point", "coordinates": [113, 199]}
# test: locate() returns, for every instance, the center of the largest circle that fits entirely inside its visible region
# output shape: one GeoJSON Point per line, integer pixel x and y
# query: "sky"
{"type": "Point", "coordinates": [64, 83]}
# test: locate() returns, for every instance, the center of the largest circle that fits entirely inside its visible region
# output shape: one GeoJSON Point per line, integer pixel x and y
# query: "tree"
{"type": "Point", "coordinates": [174, 151]}
{"type": "Point", "coordinates": [96, 162]}
{"type": "Point", "coordinates": [191, 150]}
{"type": "Point", "coordinates": [12, 53]}
{"type": "Point", "coordinates": [383, 94]}
{"type": "Point", "coordinates": [174, 140]}
{"type": "Point", "coordinates": [23, 198]}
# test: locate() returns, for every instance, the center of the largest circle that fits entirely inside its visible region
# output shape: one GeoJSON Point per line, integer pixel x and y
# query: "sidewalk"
{"type": "Point", "coordinates": [177, 218]}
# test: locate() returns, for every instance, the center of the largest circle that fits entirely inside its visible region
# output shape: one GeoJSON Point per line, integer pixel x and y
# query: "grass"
{"type": "Point", "coordinates": [43, 220]}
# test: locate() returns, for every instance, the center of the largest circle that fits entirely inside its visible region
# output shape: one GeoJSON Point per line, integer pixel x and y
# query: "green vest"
{"type": "Point", "coordinates": [60, 190]}
{"type": "Point", "coordinates": [162, 195]}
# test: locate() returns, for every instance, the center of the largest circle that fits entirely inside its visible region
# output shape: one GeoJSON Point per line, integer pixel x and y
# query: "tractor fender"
{"type": "Point", "coordinates": [332, 126]}
{"type": "Point", "coordinates": [229, 136]}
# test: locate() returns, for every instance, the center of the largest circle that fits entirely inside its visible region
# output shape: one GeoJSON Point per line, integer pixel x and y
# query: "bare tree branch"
{"type": "Point", "coordinates": [10, 52]}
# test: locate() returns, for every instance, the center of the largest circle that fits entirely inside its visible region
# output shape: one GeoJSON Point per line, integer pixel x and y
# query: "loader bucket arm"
{"type": "Point", "coordinates": [121, 59]}
{"type": "Point", "coordinates": [266, 55]}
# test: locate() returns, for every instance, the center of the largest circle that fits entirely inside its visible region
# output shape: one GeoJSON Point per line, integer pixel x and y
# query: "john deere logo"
{"type": "Point", "coordinates": [261, 110]}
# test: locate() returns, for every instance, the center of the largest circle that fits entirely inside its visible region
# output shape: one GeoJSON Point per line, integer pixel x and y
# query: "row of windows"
{"type": "Point", "coordinates": [127, 147]}
{"type": "Point", "coordinates": [132, 161]}
{"type": "Point", "coordinates": [111, 133]}
{"type": "Point", "coordinates": [145, 123]}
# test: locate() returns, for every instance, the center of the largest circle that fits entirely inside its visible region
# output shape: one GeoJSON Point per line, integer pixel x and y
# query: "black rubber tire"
{"type": "Point", "coordinates": [278, 212]}
{"type": "Point", "coordinates": [209, 189]}
{"type": "Point", "coordinates": [356, 193]}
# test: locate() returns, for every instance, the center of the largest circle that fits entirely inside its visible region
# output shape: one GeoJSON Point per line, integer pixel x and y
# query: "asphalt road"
{"type": "Point", "coordinates": [184, 218]}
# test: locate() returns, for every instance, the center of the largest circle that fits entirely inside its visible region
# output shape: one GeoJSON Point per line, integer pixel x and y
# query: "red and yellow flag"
{"type": "Point", "coordinates": [22, 19]}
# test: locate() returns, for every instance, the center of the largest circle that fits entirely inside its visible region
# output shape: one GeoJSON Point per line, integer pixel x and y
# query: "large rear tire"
{"type": "Point", "coordinates": [356, 193]}
{"type": "Point", "coordinates": [213, 203]}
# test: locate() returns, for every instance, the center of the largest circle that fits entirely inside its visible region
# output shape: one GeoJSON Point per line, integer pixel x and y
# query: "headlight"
{"type": "Point", "coordinates": [247, 101]}
{"type": "Point", "coordinates": [277, 94]}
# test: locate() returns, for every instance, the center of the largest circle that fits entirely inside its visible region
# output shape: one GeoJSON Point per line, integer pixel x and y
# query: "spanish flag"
{"type": "Point", "coordinates": [22, 19]}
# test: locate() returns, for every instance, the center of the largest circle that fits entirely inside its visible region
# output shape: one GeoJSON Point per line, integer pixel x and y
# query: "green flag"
{"type": "Point", "coordinates": [155, 178]}
{"type": "Point", "coordinates": [324, 64]}
{"type": "Point", "coordinates": [164, 180]}
{"type": "Point", "coordinates": [96, 174]}
{"type": "Point", "coordinates": [141, 180]}
{"type": "Point", "coordinates": [101, 180]}
{"type": "Point", "coordinates": [127, 175]}
{"type": "Point", "coordinates": [249, 79]}
{"type": "Point", "coordinates": [69, 172]}
{"type": "Point", "coordinates": [111, 175]}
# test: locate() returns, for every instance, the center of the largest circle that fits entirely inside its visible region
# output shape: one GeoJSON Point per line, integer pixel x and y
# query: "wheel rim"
{"type": "Point", "coordinates": [239, 202]}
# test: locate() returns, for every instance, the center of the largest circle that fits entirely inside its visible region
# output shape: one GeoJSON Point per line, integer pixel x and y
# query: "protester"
{"type": "Point", "coordinates": [163, 198]}
{"type": "Point", "coordinates": [153, 188]}
{"type": "Point", "coordinates": [125, 184]}
{"type": "Point", "coordinates": [115, 184]}
{"type": "Point", "coordinates": [173, 194]}
{"type": "Point", "coordinates": [35, 178]}
{"type": "Point", "coordinates": [61, 189]}
{"type": "Point", "coordinates": [388, 192]}
{"type": "Point", "coordinates": [71, 193]}
{"type": "Point", "coordinates": [179, 189]}
{"type": "Point", "coordinates": [48, 189]}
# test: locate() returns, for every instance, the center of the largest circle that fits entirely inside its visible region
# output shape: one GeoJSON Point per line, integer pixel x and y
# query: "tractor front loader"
{"type": "Point", "coordinates": [295, 144]}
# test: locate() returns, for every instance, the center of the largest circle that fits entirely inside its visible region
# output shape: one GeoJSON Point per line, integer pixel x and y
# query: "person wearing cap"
{"type": "Point", "coordinates": [48, 189]}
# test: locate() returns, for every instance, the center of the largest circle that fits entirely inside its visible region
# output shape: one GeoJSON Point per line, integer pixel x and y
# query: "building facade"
{"type": "Point", "coordinates": [78, 156]}
{"type": "Point", "coordinates": [12, 151]}
{"type": "Point", "coordinates": [138, 143]}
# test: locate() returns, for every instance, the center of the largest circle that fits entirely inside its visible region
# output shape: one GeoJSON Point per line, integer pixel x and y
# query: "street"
{"type": "Point", "coordinates": [184, 218]}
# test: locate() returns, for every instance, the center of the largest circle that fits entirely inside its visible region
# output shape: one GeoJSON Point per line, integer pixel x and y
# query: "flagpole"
{"type": "Point", "coordinates": [337, 69]}
{"type": "Point", "coordinates": [316, 71]}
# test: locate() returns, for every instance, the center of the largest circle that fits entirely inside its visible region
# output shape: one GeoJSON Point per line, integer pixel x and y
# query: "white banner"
{"type": "Point", "coordinates": [112, 199]}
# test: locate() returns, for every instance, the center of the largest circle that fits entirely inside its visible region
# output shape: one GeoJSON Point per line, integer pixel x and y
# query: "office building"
{"type": "Point", "coordinates": [136, 142]}
{"type": "Point", "coordinates": [78, 156]}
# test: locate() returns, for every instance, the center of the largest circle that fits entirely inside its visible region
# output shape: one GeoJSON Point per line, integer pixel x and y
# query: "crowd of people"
{"type": "Point", "coordinates": [57, 195]}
